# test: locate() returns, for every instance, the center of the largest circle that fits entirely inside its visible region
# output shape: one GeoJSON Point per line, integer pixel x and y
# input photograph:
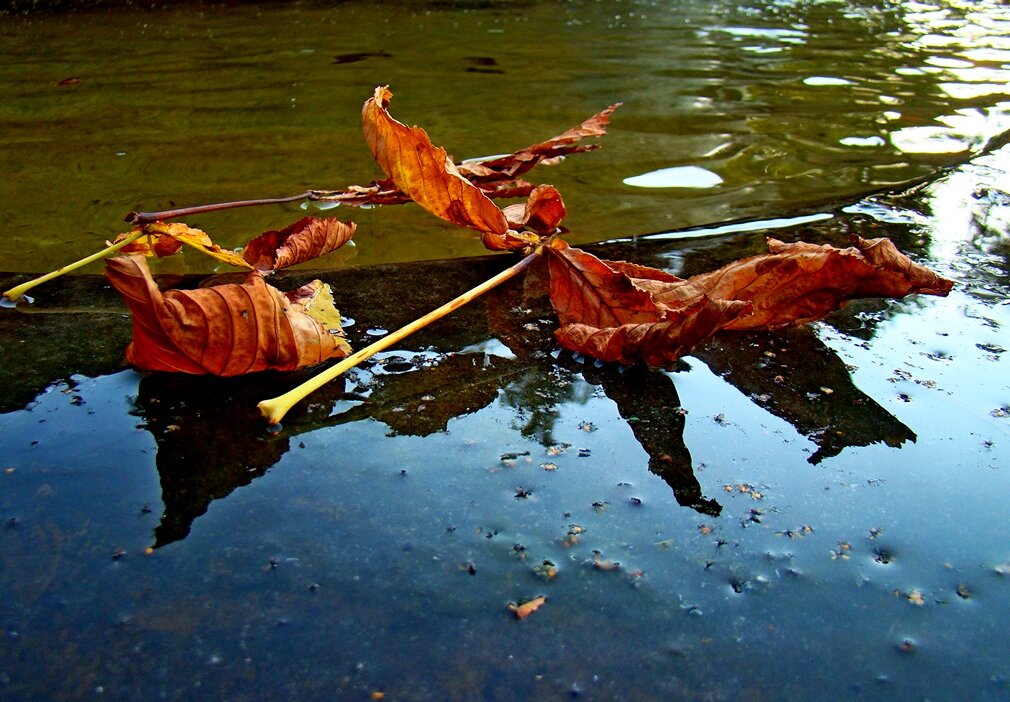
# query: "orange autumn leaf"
{"type": "Point", "coordinates": [462, 194]}
{"type": "Point", "coordinates": [539, 216]}
{"type": "Point", "coordinates": [542, 212]}
{"type": "Point", "coordinates": [306, 239]}
{"type": "Point", "coordinates": [525, 609]}
{"type": "Point", "coordinates": [801, 282]}
{"type": "Point", "coordinates": [606, 311]}
{"type": "Point", "coordinates": [226, 329]}
{"type": "Point", "coordinates": [424, 171]}
{"type": "Point", "coordinates": [619, 311]}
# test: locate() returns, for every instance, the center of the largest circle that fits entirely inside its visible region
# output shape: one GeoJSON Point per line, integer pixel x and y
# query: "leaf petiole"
{"type": "Point", "coordinates": [275, 408]}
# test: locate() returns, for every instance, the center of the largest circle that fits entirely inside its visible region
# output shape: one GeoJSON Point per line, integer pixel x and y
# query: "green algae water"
{"type": "Point", "coordinates": [813, 513]}
{"type": "Point", "coordinates": [776, 105]}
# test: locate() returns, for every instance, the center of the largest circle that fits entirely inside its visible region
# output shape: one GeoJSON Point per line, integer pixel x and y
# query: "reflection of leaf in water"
{"type": "Point", "coordinates": [794, 375]}
{"type": "Point", "coordinates": [657, 421]}
{"type": "Point", "coordinates": [209, 441]}
{"type": "Point", "coordinates": [421, 402]}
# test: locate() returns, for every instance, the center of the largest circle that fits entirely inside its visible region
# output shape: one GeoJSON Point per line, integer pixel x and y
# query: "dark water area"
{"type": "Point", "coordinates": [812, 513]}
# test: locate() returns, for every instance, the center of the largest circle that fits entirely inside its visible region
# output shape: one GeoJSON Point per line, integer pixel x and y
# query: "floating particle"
{"type": "Point", "coordinates": [601, 563]}
{"type": "Point", "coordinates": [906, 645]}
{"type": "Point", "coordinates": [511, 457]}
{"type": "Point", "coordinates": [549, 465]}
{"type": "Point", "coordinates": [525, 609]}
{"type": "Point", "coordinates": [546, 570]}
{"type": "Point", "coordinates": [587, 426]}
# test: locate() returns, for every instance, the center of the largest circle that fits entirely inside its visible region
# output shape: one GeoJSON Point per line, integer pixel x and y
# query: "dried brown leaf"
{"type": "Point", "coordinates": [225, 330]}
{"type": "Point", "coordinates": [801, 282]}
{"type": "Point", "coordinates": [610, 310]}
{"type": "Point", "coordinates": [619, 311]}
{"type": "Point", "coordinates": [306, 239]}
{"type": "Point", "coordinates": [509, 167]}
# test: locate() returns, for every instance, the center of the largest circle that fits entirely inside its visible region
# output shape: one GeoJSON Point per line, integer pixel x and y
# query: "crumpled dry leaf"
{"type": "Point", "coordinates": [619, 311]}
{"type": "Point", "coordinates": [508, 167]}
{"type": "Point", "coordinates": [166, 239]}
{"type": "Point", "coordinates": [542, 212]}
{"type": "Point", "coordinates": [801, 282]}
{"type": "Point", "coordinates": [606, 312]}
{"type": "Point", "coordinates": [496, 177]}
{"type": "Point", "coordinates": [424, 171]}
{"type": "Point", "coordinates": [306, 239]}
{"type": "Point", "coordinates": [226, 329]}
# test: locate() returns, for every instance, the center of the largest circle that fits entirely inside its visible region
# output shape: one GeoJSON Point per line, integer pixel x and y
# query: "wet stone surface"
{"type": "Point", "coordinates": [815, 513]}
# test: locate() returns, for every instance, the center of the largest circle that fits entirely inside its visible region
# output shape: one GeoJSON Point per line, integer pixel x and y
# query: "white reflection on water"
{"type": "Point", "coordinates": [826, 81]}
{"type": "Point", "coordinates": [928, 140]}
{"type": "Point", "coordinates": [676, 177]}
{"type": "Point", "coordinates": [862, 141]}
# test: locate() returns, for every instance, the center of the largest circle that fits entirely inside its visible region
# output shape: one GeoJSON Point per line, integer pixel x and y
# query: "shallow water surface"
{"type": "Point", "coordinates": [790, 104]}
{"type": "Point", "coordinates": [813, 513]}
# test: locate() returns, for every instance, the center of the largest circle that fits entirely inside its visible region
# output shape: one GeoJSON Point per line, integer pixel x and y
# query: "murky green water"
{"type": "Point", "coordinates": [816, 513]}
{"type": "Point", "coordinates": [788, 103]}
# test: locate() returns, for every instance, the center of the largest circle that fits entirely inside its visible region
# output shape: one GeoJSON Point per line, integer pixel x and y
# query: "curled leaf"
{"type": "Point", "coordinates": [424, 172]}
{"type": "Point", "coordinates": [619, 311]}
{"type": "Point", "coordinates": [801, 282]}
{"type": "Point", "coordinates": [166, 238]}
{"type": "Point", "coordinates": [658, 343]}
{"type": "Point", "coordinates": [539, 216]}
{"type": "Point", "coordinates": [542, 212]}
{"type": "Point", "coordinates": [306, 239]}
{"type": "Point", "coordinates": [607, 311]}
{"type": "Point", "coordinates": [226, 329]}
{"type": "Point", "coordinates": [512, 165]}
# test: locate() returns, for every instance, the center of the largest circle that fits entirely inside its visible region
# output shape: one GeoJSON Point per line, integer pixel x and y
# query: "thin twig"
{"type": "Point", "coordinates": [138, 218]}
